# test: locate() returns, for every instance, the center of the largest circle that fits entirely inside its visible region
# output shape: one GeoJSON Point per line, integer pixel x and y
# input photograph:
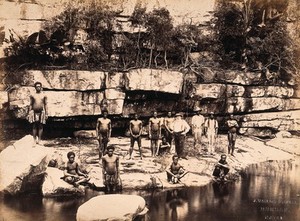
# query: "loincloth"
{"type": "Point", "coordinates": [37, 117]}
{"type": "Point", "coordinates": [111, 179]}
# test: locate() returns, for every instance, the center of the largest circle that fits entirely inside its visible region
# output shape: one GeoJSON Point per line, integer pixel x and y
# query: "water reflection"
{"type": "Point", "coordinates": [268, 191]}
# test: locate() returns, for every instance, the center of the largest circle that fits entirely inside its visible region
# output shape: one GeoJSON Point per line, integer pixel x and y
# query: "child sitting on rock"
{"type": "Point", "coordinates": [175, 171]}
{"type": "Point", "coordinates": [72, 174]}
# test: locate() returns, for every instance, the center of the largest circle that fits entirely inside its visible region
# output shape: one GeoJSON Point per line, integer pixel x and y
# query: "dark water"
{"type": "Point", "coordinates": [268, 191]}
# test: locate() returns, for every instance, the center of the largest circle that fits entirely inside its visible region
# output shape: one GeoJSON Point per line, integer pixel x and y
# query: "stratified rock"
{"type": "Point", "coordinates": [55, 186]}
{"type": "Point", "coordinates": [282, 121]}
{"type": "Point", "coordinates": [111, 207]}
{"type": "Point", "coordinates": [154, 80]}
{"type": "Point", "coordinates": [60, 103]}
{"type": "Point", "coordinates": [239, 77]}
{"type": "Point", "coordinates": [22, 166]}
{"type": "Point", "coordinates": [235, 90]}
{"type": "Point", "coordinates": [270, 91]}
{"type": "Point", "coordinates": [146, 108]}
{"type": "Point", "coordinates": [66, 79]}
{"type": "Point", "coordinates": [115, 80]}
{"type": "Point", "coordinates": [115, 106]}
{"type": "Point", "coordinates": [209, 90]}
{"type": "Point", "coordinates": [112, 94]}
{"type": "Point", "coordinates": [240, 104]}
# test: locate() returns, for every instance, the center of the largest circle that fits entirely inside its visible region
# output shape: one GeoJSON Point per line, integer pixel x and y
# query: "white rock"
{"type": "Point", "coordinates": [110, 207]}
{"type": "Point", "coordinates": [55, 186]}
{"type": "Point", "coordinates": [270, 91]}
{"type": "Point", "coordinates": [85, 133]}
{"type": "Point", "coordinates": [60, 103]}
{"type": "Point", "coordinates": [20, 161]}
{"type": "Point", "coordinates": [3, 98]}
{"type": "Point", "coordinates": [283, 134]}
{"type": "Point", "coordinates": [112, 94]}
{"type": "Point", "coordinates": [66, 79]}
{"type": "Point", "coordinates": [209, 90]}
{"type": "Point", "coordinates": [154, 80]}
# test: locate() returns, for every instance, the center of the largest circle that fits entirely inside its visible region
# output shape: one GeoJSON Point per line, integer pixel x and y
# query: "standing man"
{"type": "Point", "coordinates": [154, 132]}
{"type": "Point", "coordinates": [111, 170]}
{"type": "Point", "coordinates": [232, 125]}
{"type": "Point", "coordinates": [180, 128]}
{"type": "Point", "coordinates": [103, 132]}
{"type": "Point", "coordinates": [197, 126]}
{"type": "Point", "coordinates": [135, 129]}
{"type": "Point", "coordinates": [38, 112]}
{"type": "Point", "coordinates": [211, 130]}
{"type": "Point", "coordinates": [168, 131]}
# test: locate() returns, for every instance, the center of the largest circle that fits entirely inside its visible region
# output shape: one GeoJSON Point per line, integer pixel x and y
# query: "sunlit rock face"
{"type": "Point", "coordinates": [22, 167]}
{"type": "Point", "coordinates": [65, 79]}
{"type": "Point", "coordinates": [154, 80]}
{"type": "Point", "coordinates": [113, 207]}
{"type": "Point", "coordinates": [54, 186]}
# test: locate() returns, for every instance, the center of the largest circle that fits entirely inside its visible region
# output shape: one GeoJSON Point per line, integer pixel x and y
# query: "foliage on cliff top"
{"type": "Point", "coordinates": [249, 35]}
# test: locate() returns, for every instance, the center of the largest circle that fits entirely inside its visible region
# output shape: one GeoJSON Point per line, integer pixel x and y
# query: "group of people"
{"type": "Point", "coordinates": [172, 128]}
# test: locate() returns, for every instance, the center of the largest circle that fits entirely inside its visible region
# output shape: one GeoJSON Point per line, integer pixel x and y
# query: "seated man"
{"type": "Point", "coordinates": [72, 174]}
{"type": "Point", "coordinates": [221, 169]}
{"type": "Point", "coordinates": [175, 171]}
{"type": "Point", "coordinates": [164, 147]}
{"type": "Point", "coordinates": [110, 170]}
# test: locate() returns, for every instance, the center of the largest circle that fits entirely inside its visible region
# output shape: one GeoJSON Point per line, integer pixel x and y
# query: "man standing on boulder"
{"type": "Point", "coordinates": [232, 125]}
{"type": "Point", "coordinates": [211, 130]}
{"type": "Point", "coordinates": [135, 129]}
{"type": "Point", "coordinates": [180, 128]}
{"type": "Point", "coordinates": [197, 126]}
{"type": "Point", "coordinates": [103, 132]}
{"type": "Point", "coordinates": [154, 132]}
{"type": "Point", "coordinates": [38, 112]}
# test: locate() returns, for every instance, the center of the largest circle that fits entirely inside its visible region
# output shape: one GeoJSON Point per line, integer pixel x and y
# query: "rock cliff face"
{"type": "Point", "coordinates": [261, 109]}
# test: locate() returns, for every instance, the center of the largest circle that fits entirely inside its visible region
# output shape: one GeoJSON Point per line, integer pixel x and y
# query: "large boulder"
{"type": "Point", "coordinates": [22, 166]}
{"type": "Point", "coordinates": [154, 80]}
{"type": "Point", "coordinates": [117, 207]}
{"type": "Point", "coordinates": [60, 103]}
{"type": "Point", "coordinates": [54, 186]}
{"type": "Point", "coordinates": [66, 79]}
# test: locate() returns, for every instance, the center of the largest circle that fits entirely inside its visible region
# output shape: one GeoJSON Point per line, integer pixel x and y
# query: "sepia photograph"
{"type": "Point", "coordinates": [150, 110]}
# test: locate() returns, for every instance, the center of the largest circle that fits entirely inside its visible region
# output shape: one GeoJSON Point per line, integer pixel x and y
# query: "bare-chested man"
{"type": "Point", "coordinates": [103, 132]}
{"type": "Point", "coordinates": [168, 125]}
{"type": "Point", "coordinates": [154, 132]}
{"type": "Point", "coordinates": [110, 170]}
{"type": "Point", "coordinates": [38, 112]}
{"type": "Point", "coordinates": [135, 129]}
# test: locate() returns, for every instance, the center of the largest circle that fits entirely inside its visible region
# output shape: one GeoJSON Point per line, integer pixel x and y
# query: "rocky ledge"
{"type": "Point", "coordinates": [135, 174]}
